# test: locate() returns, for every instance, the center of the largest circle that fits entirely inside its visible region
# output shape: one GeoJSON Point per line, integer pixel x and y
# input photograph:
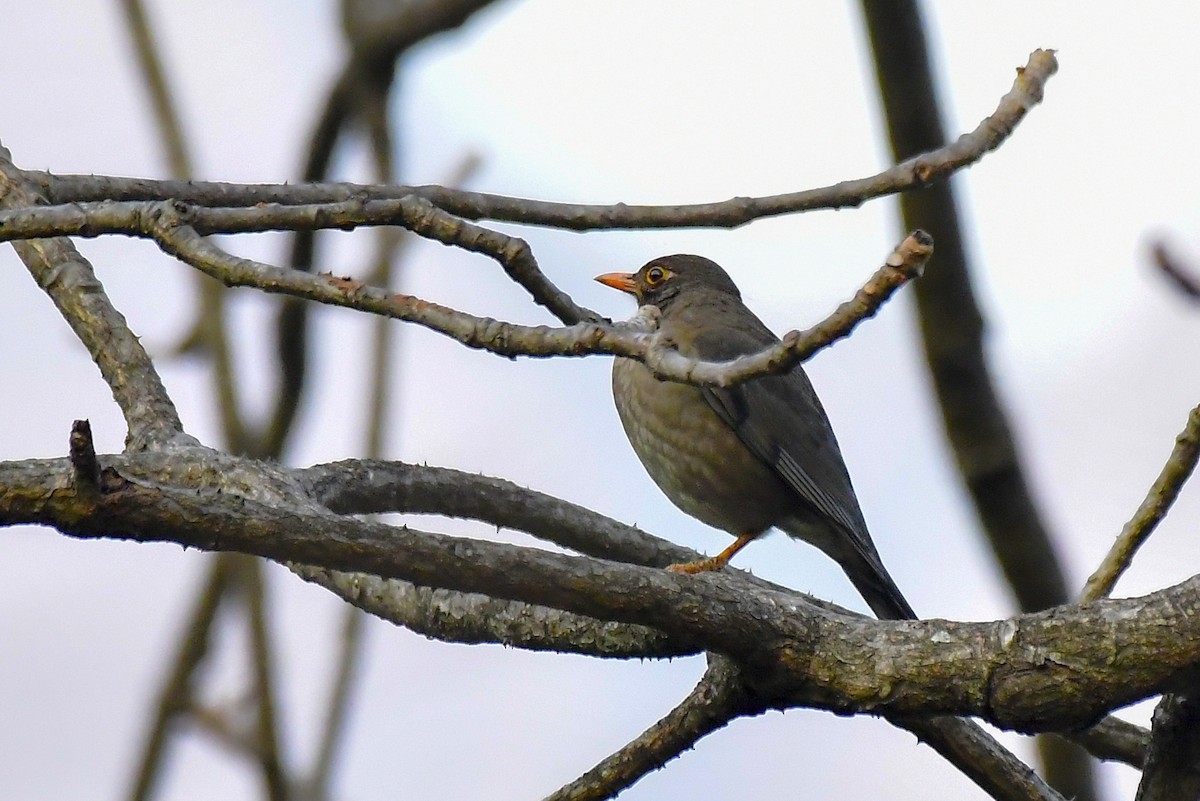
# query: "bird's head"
{"type": "Point", "coordinates": [662, 281]}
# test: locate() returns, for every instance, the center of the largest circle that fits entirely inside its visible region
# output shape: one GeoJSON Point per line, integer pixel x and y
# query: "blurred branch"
{"type": "Point", "coordinates": [1182, 276]}
{"type": "Point", "coordinates": [952, 334]}
{"type": "Point", "coordinates": [1114, 739]}
{"type": "Point", "coordinates": [177, 692]}
{"type": "Point", "coordinates": [952, 325]}
{"type": "Point", "coordinates": [72, 285]}
{"type": "Point", "coordinates": [718, 699]}
{"type": "Point", "coordinates": [275, 780]}
{"type": "Point", "coordinates": [162, 100]}
{"type": "Point", "coordinates": [364, 83]}
{"type": "Point", "coordinates": [1153, 509]}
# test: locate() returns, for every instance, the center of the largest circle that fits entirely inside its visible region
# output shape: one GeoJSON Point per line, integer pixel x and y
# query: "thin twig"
{"type": "Point", "coordinates": [1158, 501]}
{"type": "Point", "coordinates": [936, 164]}
{"type": "Point", "coordinates": [904, 264]}
{"type": "Point", "coordinates": [1183, 277]}
{"type": "Point", "coordinates": [713, 703]}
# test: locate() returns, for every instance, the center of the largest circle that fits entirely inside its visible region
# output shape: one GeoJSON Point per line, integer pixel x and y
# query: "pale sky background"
{"type": "Point", "coordinates": [594, 101]}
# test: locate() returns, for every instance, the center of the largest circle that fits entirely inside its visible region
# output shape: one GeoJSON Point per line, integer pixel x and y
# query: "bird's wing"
{"type": "Point", "coordinates": [781, 420]}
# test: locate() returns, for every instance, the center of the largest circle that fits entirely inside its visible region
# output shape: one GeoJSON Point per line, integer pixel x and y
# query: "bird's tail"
{"type": "Point", "coordinates": [868, 575]}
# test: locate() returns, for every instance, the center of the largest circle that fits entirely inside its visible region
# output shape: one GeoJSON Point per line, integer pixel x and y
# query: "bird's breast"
{"type": "Point", "coordinates": [693, 456]}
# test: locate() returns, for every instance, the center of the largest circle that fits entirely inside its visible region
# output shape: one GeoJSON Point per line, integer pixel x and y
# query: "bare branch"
{"type": "Point", "coordinates": [715, 701]}
{"type": "Point", "coordinates": [1114, 739]}
{"type": "Point", "coordinates": [916, 172]}
{"type": "Point", "coordinates": [981, 759]}
{"type": "Point", "coordinates": [472, 618]}
{"type": "Point", "coordinates": [904, 264]}
{"type": "Point", "coordinates": [168, 226]}
{"type": "Point", "coordinates": [1172, 771]}
{"type": "Point", "coordinates": [71, 283]}
{"type": "Point", "coordinates": [1162, 494]}
{"type": "Point", "coordinates": [366, 486]}
{"type": "Point", "coordinates": [1014, 673]}
{"type": "Point", "coordinates": [1183, 277]}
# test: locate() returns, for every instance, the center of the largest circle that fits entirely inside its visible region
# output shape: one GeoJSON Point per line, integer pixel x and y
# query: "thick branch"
{"type": "Point", "coordinates": [1056, 670]}
{"type": "Point", "coordinates": [367, 486]}
{"type": "Point", "coordinates": [1172, 771]}
{"type": "Point", "coordinates": [472, 618]}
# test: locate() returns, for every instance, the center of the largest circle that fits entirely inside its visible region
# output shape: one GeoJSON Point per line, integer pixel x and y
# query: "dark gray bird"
{"type": "Point", "coordinates": [744, 459]}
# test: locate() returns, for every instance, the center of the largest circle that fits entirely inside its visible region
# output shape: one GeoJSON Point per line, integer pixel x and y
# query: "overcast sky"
{"type": "Point", "coordinates": [594, 101]}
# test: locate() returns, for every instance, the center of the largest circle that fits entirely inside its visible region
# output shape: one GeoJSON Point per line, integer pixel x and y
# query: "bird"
{"type": "Point", "coordinates": [747, 458]}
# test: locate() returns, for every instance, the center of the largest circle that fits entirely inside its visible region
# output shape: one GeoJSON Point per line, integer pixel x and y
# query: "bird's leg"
{"type": "Point", "coordinates": [715, 562]}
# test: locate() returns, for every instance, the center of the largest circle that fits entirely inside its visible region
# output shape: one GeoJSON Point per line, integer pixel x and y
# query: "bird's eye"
{"type": "Point", "coordinates": [655, 276]}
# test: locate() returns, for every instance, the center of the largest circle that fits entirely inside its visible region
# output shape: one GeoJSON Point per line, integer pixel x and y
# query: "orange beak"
{"type": "Point", "coordinates": [622, 281]}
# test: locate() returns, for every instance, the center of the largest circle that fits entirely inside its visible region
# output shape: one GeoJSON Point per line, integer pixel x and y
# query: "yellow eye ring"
{"type": "Point", "coordinates": [655, 276]}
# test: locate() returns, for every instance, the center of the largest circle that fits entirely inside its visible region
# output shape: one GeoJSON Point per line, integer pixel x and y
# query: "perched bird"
{"type": "Point", "coordinates": [757, 455]}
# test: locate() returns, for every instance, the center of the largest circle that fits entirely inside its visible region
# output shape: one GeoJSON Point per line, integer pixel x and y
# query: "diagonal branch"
{"type": "Point", "coordinates": [1158, 501]}
{"type": "Point", "coordinates": [935, 164]}
{"type": "Point", "coordinates": [72, 285]}
{"type": "Point", "coordinates": [175, 236]}
{"type": "Point", "coordinates": [716, 700]}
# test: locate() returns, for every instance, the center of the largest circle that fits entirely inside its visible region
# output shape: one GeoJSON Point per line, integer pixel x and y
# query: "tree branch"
{"type": "Point", "coordinates": [471, 618]}
{"type": "Point", "coordinates": [716, 700]}
{"type": "Point", "coordinates": [169, 225]}
{"type": "Point", "coordinates": [934, 165]}
{"type": "Point", "coordinates": [1162, 494]}
{"type": "Point", "coordinates": [1056, 670]}
{"type": "Point", "coordinates": [1172, 771]}
{"type": "Point", "coordinates": [72, 285]}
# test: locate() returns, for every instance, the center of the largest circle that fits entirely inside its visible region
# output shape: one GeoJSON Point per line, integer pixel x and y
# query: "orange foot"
{"type": "Point", "coordinates": [702, 566]}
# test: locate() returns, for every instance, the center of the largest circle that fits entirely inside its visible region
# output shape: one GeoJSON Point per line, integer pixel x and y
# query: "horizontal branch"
{"type": "Point", "coordinates": [471, 618]}
{"type": "Point", "coordinates": [159, 220]}
{"type": "Point", "coordinates": [369, 486]}
{"type": "Point", "coordinates": [916, 172]}
{"type": "Point", "coordinates": [170, 231]}
{"type": "Point", "coordinates": [1056, 670]}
